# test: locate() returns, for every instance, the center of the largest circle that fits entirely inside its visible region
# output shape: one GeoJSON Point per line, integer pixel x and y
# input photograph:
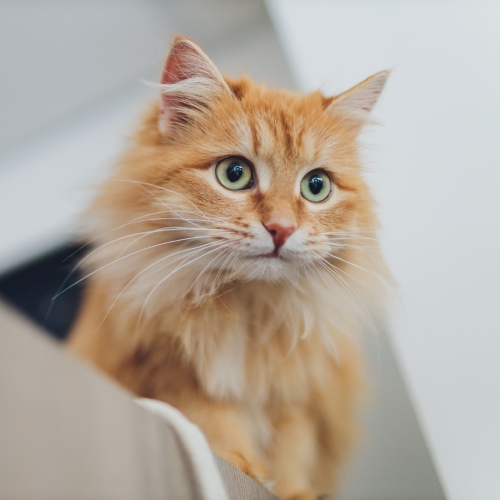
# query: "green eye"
{"type": "Point", "coordinates": [234, 173]}
{"type": "Point", "coordinates": [316, 186]}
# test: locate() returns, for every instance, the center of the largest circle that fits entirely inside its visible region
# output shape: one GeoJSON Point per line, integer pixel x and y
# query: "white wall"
{"type": "Point", "coordinates": [57, 58]}
{"type": "Point", "coordinates": [435, 167]}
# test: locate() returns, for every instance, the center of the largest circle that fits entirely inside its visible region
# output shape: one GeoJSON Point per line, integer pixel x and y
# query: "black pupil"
{"type": "Point", "coordinates": [234, 172]}
{"type": "Point", "coordinates": [315, 184]}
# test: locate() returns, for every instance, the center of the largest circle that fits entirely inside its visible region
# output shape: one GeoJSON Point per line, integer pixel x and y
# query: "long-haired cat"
{"type": "Point", "coordinates": [235, 261]}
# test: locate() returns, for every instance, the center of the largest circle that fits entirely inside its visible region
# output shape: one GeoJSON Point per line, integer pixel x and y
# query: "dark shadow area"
{"type": "Point", "coordinates": [31, 289]}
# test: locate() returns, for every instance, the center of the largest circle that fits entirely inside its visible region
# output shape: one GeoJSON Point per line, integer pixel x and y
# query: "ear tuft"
{"type": "Point", "coordinates": [360, 99]}
{"type": "Point", "coordinates": [186, 60]}
{"type": "Point", "coordinates": [189, 82]}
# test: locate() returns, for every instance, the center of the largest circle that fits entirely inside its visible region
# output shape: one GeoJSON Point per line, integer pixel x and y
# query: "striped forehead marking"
{"type": "Point", "coordinates": [264, 176]}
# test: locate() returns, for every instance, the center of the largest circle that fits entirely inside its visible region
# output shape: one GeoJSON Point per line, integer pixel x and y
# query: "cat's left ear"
{"type": "Point", "coordinates": [358, 101]}
{"type": "Point", "coordinates": [189, 84]}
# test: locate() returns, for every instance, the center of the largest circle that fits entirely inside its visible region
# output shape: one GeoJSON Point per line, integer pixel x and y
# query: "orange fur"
{"type": "Point", "coordinates": [184, 306]}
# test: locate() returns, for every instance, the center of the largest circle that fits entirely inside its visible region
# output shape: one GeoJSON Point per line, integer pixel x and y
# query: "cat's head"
{"type": "Point", "coordinates": [239, 180]}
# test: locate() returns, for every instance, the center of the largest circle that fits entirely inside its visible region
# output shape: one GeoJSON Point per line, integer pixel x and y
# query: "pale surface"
{"type": "Point", "coordinates": [67, 431]}
{"type": "Point", "coordinates": [437, 175]}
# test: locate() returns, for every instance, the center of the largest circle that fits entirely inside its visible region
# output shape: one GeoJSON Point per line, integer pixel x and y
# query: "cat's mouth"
{"type": "Point", "coordinates": [272, 255]}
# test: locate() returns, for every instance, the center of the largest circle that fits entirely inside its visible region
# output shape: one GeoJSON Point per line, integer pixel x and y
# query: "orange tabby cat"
{"type": "Point", "coordinates": [235, 262]}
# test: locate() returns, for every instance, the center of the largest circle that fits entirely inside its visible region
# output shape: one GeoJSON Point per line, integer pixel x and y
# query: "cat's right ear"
{"type": "Point", "coordinates": [190, 82]}
{"type": "Point", "coordinates": [357, 102]}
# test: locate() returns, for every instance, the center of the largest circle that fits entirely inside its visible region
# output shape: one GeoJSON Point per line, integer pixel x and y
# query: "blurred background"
{"type": "Point", "coordinates": [72, 85]}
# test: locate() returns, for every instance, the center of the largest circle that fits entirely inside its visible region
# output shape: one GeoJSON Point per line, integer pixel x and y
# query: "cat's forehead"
{"type": "Point", "coordinates": [286, 131]}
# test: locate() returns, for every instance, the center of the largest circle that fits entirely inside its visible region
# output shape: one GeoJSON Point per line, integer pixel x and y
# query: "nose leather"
{"type": "Point", "coordinates": [279, 234]}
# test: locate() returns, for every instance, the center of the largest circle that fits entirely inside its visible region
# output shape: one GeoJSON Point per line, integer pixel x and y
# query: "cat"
{"type": "Point", "coordinates": [235, 262]}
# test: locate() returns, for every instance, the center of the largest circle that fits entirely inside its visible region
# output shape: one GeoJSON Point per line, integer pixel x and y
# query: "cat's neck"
{"type": "Point", "coordinates": [244, 327]}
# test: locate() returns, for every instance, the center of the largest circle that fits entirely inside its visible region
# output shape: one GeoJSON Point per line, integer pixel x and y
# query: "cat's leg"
{"type": "Point", "coordinates": [312, 442]}
{"type": "Point", "coordinates": [336, 405]}
{"type": "Point", "coordinates": [294, 454]}
{"type": "Point", "coordinates": [224, 426]}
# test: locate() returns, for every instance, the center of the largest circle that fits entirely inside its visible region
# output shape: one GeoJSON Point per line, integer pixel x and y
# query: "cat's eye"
{"type": "Point", "coordinates": [316, 186]}
{"type": "Point", "coordinates": [234, 173]}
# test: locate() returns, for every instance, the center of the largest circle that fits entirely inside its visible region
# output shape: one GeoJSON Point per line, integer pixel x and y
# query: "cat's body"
{"type": "Point", "coordinates": [240, 306]}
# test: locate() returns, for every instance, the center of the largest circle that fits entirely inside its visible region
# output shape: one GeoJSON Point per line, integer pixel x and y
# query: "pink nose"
{"type": "Point", "coordinates": [279, 234]}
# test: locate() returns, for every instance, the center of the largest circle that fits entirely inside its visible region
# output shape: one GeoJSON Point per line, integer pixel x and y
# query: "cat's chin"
{"type": "Point", "coordinates": [272, 268]}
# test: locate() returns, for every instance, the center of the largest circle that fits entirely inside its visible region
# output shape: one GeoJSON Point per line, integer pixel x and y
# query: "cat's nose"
{"type": "Point", "coordinates": [279, 234]}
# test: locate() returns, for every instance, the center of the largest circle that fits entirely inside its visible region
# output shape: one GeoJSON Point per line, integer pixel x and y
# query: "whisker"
{"type": "Point", "coordinates": [162, 202]}
{"type": "Point", "coordinates": [355, 247]}
{"type": "Point", "coordinates": [82, 261]}
{"type": "Point", "coordinates": [124, 257]}
{"type": "Point", "coordinates": [321, 277]}
{"type": "Point", "coordinates": [182, 265]}
{"type": "Point", "coordinates": [222, 267]}
{"type": "Point", "coordinates": [152, 231]}
{"type": "Point", "coordinates": [350, 276]}
{"type": "Point", "coordinates": [136, 220]}
{"type": "Point", "coordinates": [343, 236]}
{"type": "Point", "coordinates": [369, 271]}
{"type": "Point", "coordinates": [193, 250]}
{"type": "Point", "coordinates": [166, 190]}
{"type": "Point", "coordinates": [349, 288]}
{"type": "Point", "coordinates": [212, 262]}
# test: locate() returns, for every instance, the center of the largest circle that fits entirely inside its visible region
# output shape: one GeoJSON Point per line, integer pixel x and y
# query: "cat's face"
{"type": "Point", "coordinates": [261, 184]}
{"type": "Point", "coordinates": [278, 188]}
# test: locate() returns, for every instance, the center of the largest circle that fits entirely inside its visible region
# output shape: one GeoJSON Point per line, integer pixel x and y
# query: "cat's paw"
{"type": "Point", "coordinates": [250, 466]}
